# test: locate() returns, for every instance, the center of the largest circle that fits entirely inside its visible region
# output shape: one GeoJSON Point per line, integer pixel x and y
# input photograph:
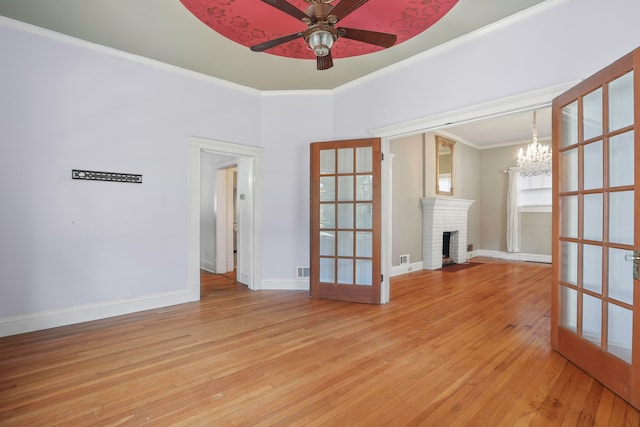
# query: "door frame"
{"type": "Point", "coordinates": [252, 231]}
{"type": "Point", "coordinates": [524, 102]}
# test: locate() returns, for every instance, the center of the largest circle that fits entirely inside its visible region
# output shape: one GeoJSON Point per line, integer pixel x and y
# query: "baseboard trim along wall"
{"type": "Point", "coordinates": [209, 266]}
{"type": "Point", "coordinates": [509, 256]}
{"type": "Point", "coordinates": [285, 285]}
{"type": "Point", "coordinates": [398, 270]}
{"type": "Point", "coordinates": [52, 319]}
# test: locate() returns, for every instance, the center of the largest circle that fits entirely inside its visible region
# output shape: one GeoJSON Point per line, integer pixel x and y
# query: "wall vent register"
{"type": "Point", "coordinates": [302, 272]}
{"type": "Point", "coordinates": [106, 176]}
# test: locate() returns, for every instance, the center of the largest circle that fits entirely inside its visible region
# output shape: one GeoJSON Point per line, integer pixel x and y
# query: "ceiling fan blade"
{"type": "Point", "coordinates": [288, 8]}
{"type": "Point", "coordinates": [261, 47]}
{"type": "Point", "coordinates": [370, 37]}
{"type": "Point", "coordinates": [325, 62]}
{"type": "Point", "coordinates": [345, 7]}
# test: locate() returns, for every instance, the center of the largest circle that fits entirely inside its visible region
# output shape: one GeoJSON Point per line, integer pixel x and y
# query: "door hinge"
{"type": "Point", "coordinates": [381, 156]}
{"type": "Point", "coordinates": [381, 278]}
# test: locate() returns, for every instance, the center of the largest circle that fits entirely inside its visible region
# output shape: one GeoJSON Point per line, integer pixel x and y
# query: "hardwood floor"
{"type": "Point", "coordinates": [465, 348]}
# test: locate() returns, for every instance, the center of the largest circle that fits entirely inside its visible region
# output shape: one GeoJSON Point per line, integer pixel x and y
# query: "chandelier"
{"type": "Point", "coordinates": [537, 159]}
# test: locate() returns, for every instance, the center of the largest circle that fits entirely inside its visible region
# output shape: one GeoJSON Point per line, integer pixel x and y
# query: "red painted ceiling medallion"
{"type": "Point", "coordinates": [250, 22]}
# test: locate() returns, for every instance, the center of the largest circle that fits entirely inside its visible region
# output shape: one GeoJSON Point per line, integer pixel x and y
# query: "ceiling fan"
{"type": "Point", "coordinates": [321, 33]}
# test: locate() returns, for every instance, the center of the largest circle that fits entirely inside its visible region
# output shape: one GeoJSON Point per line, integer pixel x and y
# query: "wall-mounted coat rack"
{"type": "Point", "coordinates": [106, 176]}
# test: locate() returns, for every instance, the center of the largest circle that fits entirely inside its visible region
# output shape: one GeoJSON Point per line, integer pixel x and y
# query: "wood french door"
{"type": "Point", "coordinates": [345, 220]}
{"type": "Point", "coordinates": [596, 231]}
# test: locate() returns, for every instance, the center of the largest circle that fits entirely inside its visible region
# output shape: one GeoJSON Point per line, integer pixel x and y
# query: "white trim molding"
{"type": "Point", "coordinates": [84, 44]}
{"type": "Point", "coordinates": [285, 285]}
{"type": "Point", "coordinates": [85, 313]}
{"type": "Point", "coordinates": [500, 107]}
{"type": "Point", "coordinates": [516, 256]}
{"type": "Point", "coordinates": [457, 42]}
{"type": "Point", "coordinates": [398, 270]}
{"type": "Point", "coordinates": [534, 209]}
{"type": "Point", "coordinates": [207, 265]}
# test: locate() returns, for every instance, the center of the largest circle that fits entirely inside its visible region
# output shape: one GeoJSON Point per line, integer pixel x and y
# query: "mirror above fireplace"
{"type": "Point", "coordinates": [444, 165]}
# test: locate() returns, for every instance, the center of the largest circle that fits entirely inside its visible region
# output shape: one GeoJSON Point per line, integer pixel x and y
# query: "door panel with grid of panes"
{"type": "Point", "coordinates": [345, 220]}
{"type": "Point", "coordinates": [595, 314]}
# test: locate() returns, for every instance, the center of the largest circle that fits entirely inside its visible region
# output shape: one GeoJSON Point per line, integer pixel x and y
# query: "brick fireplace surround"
{"type": "Point", "coordinates": [441, 214]}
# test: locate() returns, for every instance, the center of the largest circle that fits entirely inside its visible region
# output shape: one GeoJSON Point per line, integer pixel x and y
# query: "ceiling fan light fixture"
{"type": "Point", "coordinates": [320, 42]}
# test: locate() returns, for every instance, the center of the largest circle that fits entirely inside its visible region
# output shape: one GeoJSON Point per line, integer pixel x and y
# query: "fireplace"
{"type": "Point", "coordinates": [447, 249]}
{"type": "Point", "coordinates": [439, 216]}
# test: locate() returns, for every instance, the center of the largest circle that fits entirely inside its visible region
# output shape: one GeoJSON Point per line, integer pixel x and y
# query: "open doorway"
{"type": "Point", "coordinates": [218, 213]}
{"type": "Point", "coordinates": [445, 124]}
{"type": "Point", "coordinates": [218, 222]}
{"type": "Point", "coordinates": [247, 162]}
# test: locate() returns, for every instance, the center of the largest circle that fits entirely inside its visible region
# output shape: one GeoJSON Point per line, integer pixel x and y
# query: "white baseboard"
{"type": "Point", "coordinates": [285, 285]}
{"type": "Point", "coordinates": [52, 319]}
{"type": "Point", "coordinates": [397, 270]}
{"type": "Point", "coordinates": [517, 256]}
{"type": "Point", "coordinates": [207, 265]}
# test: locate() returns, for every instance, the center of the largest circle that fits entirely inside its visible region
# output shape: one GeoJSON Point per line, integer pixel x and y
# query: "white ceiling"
{"type": "Point", "coordinates": [510, 129]}
{"type": "Point", "coordinates": [166, 31]}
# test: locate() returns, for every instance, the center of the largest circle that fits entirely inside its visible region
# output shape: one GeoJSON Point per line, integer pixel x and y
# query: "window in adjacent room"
{"type": "Point", "coordinates": [534, 193]}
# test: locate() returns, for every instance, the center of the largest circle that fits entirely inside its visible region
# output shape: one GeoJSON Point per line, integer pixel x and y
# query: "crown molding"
{"type": "Point", "coordinates": [455, 137]}
{"type": "Point", "coordinates": [456, 43]}
{"type": "Point", "coordinates": [295, 92]}
{"type": "Point", "coordinates": [84, 44]}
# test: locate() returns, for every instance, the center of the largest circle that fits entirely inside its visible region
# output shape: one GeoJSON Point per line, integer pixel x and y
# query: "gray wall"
{"type": "Point", "coordinates": [535, 227]}
{"type": "Point", "coordinates": [493, 190]}
{"type": "Point", "coordinates": [467, 167]}
{"type": "Point", "coordinates": [407, 188]}
{"type": "Point", "coordinates": [536, 233]}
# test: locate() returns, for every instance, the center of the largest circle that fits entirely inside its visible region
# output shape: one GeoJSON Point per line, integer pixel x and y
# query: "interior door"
{"type": "Point", "coordinates": [345, 220]}
{"type": "Point", "coordinates": [245, 221]}
{"type": "Point", "coordinates": [595, 296]}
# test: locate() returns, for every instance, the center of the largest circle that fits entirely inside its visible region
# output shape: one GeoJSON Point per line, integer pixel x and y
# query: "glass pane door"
{"type": "Point", "coordinates": [595, 213]}
{"type": "Point", "coordinates": [345, 236]}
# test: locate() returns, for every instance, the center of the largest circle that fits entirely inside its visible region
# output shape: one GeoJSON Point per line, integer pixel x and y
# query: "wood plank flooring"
{"type": "Point", "coordinates": [465, 348]}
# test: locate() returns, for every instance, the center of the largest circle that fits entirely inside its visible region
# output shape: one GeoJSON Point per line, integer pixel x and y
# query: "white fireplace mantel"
{"type": "Point", "coordinates": [439, 215]}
